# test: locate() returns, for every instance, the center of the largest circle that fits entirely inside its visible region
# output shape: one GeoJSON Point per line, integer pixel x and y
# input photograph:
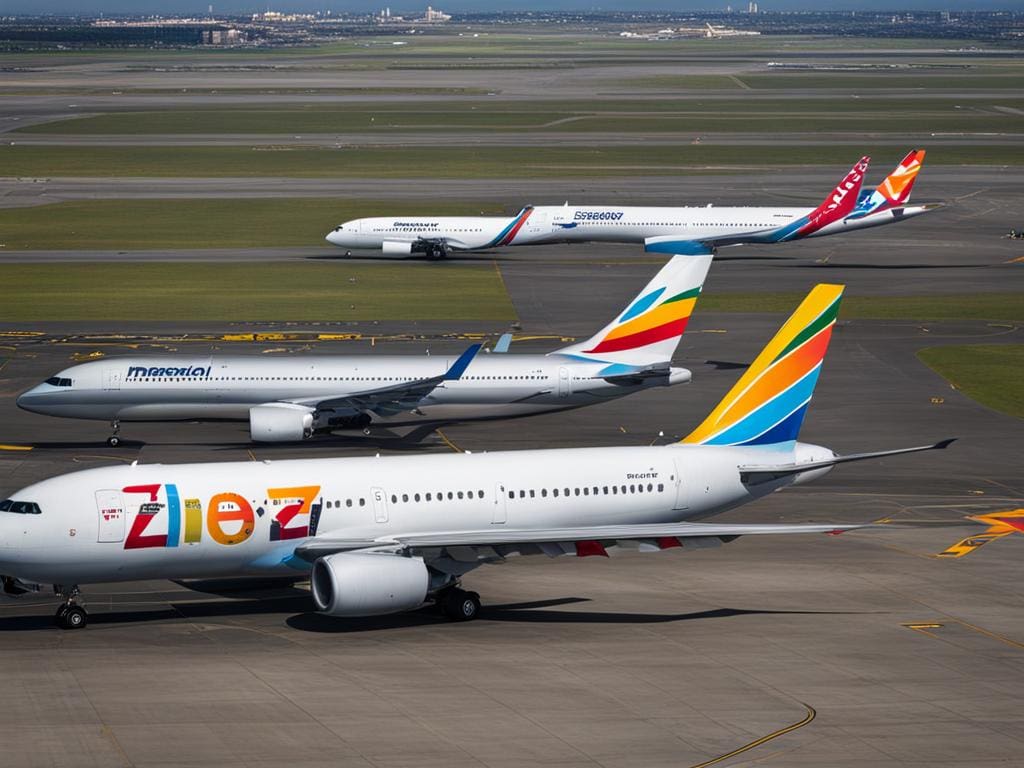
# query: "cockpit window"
{"type": "Point", "coordinates": [56, 381]}
{"type": "Point", "coordinates": [20, 507]}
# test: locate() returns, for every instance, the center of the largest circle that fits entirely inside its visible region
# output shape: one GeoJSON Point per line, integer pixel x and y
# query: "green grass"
{"type": "Point", "coordinates": [872, 81]}
{"type": "Point", "coordinates": [300, 291]}
{"type": "Point", "coordinates": [472, 162]}
{"type": "Point", "coordinates": [967, 306]}
{"type": "Point", "coordinates": [199, 223]}
{"type": "Point", "coordinates": [692, 115]}
{"type": "Point", "coordinates": [987, 373]}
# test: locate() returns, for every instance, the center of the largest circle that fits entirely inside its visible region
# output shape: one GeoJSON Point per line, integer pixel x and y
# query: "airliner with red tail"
{"type": "Point", "coordinates": [690, 230]}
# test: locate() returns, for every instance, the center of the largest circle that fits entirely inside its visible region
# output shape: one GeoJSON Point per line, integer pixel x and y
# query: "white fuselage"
{"type": "Point", "coordinates": [577, 224]}
{"type": "Point", "coordinates": [235, 519]}
{"type": "Point", "coordinates": [178, 388]}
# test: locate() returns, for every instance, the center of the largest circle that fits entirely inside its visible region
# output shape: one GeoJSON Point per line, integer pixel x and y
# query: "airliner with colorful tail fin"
{"type": "Point", "coordinates": [691, 230]}
{"type": "Point", "coordinates": [293, 398]}
{"type": "Point", "coordinates": [388, 534]}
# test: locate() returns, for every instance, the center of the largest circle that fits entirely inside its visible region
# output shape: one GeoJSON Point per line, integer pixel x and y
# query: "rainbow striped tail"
{"type": "Point", "coordinates": [648, 331]}
{"type": "Point", "coordinates": [767, 405]}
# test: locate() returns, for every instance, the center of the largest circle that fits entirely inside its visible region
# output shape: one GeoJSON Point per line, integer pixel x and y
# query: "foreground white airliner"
{"type": "Point", "coordinates": [663, 230]}
{"type": "Point", "coordinates": [388, 534]}
{"type": "Point", "coordinates": [287, 399]}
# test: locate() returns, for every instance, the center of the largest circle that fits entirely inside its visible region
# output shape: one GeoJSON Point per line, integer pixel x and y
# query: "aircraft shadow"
{"type": "Point", "coordinates": [725, 365]}
{"type": "Point", "coordinates": [848, 265]}
{"type": "Point", "coordinates": [532, 613]}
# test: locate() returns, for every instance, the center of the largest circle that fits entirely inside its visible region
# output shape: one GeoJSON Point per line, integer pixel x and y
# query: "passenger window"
{"type": "Point", "coordinates": [544, 492]}
{"type": "Point", "coordinates": [348, 502]}
{"type": "Point", "coordinates": [511, 494]}
{"type": "Point", "coordinates": [416, 497]}
{"type": "Point", "coordinates": [555, 493]}
{"type": "Point", "coordinates": [460, 494]}
{"type": "Point", "coordinates": [405, 497]}
{"type": "Point", "coordinates": [661, 487]}
{"type": "Point", "coordinates": [479, 494]}
{"type": "Point", "coordinates": [394, 499]}
{"type": "Point", "coordinates": [362, 502]}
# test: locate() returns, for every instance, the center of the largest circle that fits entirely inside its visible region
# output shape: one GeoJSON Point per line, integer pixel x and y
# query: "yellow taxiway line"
{"type": "Point", "coordinates": [811, 714]}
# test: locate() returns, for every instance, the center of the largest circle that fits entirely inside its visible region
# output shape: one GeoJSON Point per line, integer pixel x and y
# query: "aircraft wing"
{"type": "Point", "coordinates": [401, 396]}
{"type": "Point", "coordinates": [498, 543]}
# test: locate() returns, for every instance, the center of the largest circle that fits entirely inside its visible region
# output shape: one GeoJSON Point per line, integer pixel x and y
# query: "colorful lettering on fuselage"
{"type": "Point", "coordinates": [142, 372]}
{"type": "Point", "coordinates": [230, 517]}
{"type": "Point", "coordinates": [598, 215]}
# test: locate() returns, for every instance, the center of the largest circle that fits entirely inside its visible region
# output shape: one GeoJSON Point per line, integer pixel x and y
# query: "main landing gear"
{"type": "Point", "coordinates": [113, 441]}
{"type": "Point", "coordinates": [458, 604]}
{"type": "Point", "coordinates": [436, 252]}
{"type": "Point", "coordinates": [70, 615]}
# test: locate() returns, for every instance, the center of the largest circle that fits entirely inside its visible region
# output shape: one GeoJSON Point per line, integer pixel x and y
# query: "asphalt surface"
{"type": "Point", "coordinates": [881, 654]}
{"type": "Point", "coordinates": [641, 660]}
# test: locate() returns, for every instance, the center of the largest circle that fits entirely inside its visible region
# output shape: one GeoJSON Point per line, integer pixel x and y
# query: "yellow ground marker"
{"type": "Point", "coordinates": [15, 447]}
{"type": "Point", "coordinates": [811, 714]}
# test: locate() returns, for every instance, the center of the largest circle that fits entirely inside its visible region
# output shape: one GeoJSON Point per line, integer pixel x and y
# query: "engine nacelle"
{"type": "Point", "coordinates": [280, 422]}
{"type": "Point", "coordinates": [393, 246]}
{"type": "Point", "coordinates": [365, 584]}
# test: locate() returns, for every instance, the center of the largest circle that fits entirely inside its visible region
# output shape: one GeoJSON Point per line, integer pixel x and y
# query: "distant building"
{"type": "Point", "coordinates": [752, 7]}
{"type": "Point", "coordinates": [222, 37]}
{"type": "Point", "coordinates": [278, 17]}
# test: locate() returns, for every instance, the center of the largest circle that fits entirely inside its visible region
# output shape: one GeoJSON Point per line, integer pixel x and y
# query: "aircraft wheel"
{"type": "Point", "coordinates": [459, 605]}
{"type": "Point", "coordinates": [113, 441]}
{"type": "Point", "coordinates": [71, 617]}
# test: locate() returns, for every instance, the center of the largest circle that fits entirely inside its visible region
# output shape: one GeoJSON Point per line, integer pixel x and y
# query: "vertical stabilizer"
{"type": "Point", "coordinates": [839, 204]}
{"type": "Point", "coordinates": [767, 405]}
{"type": "Point", "coordinates": [648, 331]}
{"type": "Point", "coordinates": [895, 188]}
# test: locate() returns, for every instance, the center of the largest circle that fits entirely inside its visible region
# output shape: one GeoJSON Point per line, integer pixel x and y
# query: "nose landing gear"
{"type": "Point", "coordinates": [70, 615]}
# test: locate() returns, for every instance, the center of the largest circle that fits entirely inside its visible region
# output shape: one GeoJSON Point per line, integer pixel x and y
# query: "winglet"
{"type": "Point", "coordinates": [459, 366]}
{"type": "Point", "coordinates": [503, 343]}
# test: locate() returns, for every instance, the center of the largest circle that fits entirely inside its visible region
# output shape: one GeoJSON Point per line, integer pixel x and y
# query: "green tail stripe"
{"type": "Point", "coordinates": [693, 293]}
{"type": "Point", "coordinates": [826, 318]}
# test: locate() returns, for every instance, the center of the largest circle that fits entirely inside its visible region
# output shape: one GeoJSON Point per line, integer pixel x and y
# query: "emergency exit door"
{"type": "Point", "coordinates": [111, 516]}
{"type": "Point", "coordinates": [380, 505]}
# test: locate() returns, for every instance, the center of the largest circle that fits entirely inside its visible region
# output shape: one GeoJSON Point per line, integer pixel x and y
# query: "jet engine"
{"type": "Point", "coordinates": [368, 584]}
{"type": "Point", "coordinates": [392, 246]}
{"type": "Point", "coordinates": [280, 422]}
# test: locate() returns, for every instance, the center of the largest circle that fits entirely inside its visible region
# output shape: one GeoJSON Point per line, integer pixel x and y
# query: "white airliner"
{"type": "Point", "coordinates": [287, 399]}
{"type": "Point", "coordinates": [388, 534]}
{"type": "Point", "coordinates": [664, 230]}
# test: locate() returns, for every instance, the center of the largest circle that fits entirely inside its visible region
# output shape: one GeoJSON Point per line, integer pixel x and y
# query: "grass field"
{"type": "Point", "coordinates": [199, 223]}
{"type": "Point", "coordinates": [988, 373]}
{"type": "Point", "coordinates": [881, 80]}
{"type": "Point", "coordinates": [469, 162]}
{"type": "Point", "coordinates": [301, 291]}
{"type": "Point", "coordinates": [678, 115]}
{"type": "Point", "coordinates": [967, 306]}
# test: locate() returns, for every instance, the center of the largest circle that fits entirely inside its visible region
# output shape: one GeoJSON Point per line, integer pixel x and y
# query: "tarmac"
{"type": "Point", "coordinates": [854, 650]}
{"type": "Point", "coordinates": [884, 654]}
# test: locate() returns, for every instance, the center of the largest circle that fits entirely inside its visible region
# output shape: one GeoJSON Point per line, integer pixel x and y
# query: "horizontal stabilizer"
{"type": "Point", "coordinates": [752, 475]}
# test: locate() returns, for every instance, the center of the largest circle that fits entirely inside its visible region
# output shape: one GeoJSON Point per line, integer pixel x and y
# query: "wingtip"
{"type": "Point", "coordinates": [943, 444]}
{"type": "Point", "coordinates": [459, 366]}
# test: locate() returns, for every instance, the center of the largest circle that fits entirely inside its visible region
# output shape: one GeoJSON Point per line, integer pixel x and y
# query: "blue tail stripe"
{"type": "Point", "coordinates": [786, 431]}
{"type": "Point", "coordinates": [641, 305]}
{"type": "Point", "coordinates": [771, 414]}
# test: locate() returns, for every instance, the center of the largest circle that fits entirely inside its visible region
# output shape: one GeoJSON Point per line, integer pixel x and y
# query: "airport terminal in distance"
{"type": "Point", "coordinates": [284, 405]}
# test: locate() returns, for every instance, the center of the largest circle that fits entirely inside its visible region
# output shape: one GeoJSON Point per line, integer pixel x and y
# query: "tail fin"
{"type": "Point", "coordinates": [767, 405]}
{"type": "Point", "coordinates": [648, 331]}
{"type": "Point", "coordinates": [895, 188]}
{"type": "Point", "coordinates": [839, 204]}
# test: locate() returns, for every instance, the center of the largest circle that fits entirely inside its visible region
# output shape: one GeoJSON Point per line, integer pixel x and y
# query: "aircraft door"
{"type": "Point", "coordinates": [500, 514]}
{"type": "Point", "coordinates": [380, 505]}
{"type": "Point", "coordinates": [682, 487]}
{"type": "Point", "coordinates": [111, 516]}
{"type": "Point", "coordinates": [564, 382]}
{"type": "Point", "coordinates": [112, 378]}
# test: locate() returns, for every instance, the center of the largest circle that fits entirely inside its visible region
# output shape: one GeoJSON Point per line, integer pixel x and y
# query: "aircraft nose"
{"type": "Point", "coordinates": [334, 237]}
{"type": "Point", "coordinates": [29, 401]}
